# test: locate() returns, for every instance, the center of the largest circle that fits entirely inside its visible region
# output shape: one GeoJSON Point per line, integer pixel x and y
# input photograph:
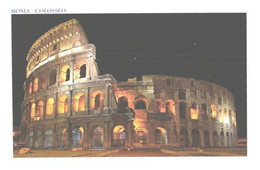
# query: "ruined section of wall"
{"type": "Point", "coordinates": [196, 112]}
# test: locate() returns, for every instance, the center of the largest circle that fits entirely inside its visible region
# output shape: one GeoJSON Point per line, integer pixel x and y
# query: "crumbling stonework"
{"type": "Point", "coordinates": [67, 104]}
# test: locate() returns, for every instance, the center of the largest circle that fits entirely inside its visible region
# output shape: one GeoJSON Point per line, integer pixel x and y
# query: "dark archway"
{"type": "Point", "coordinates": [97, 138]}
{"type": "Point", "coordinates": [122, 102]}
{"type": "Point", "coordinates": [215, 138]}
{"type": "Point", "coordinates": [182, 110]}
{"type": "Point", "coordinates": [206, 139]}
{"type": "Point", "coordinates": [227, 138]}
{"type": "Point", "coordinates": [140, 104]}
{"type": "Point", "coordinates": [222, 139]}
{"type": "Point", "coordinates": [52, 79]}
{"type": "Point", "coordinates": [118, 136]}
{"type": "Point", "coordinates": [195, 138]}
{"type": "Point", "coordinates": [161, 136]}
{"type": "Point", "coordinates": [82, 72]}
{"type": "Point", "coordinates": [184, 140]}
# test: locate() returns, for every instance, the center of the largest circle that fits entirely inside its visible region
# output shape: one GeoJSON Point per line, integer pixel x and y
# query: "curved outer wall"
{"type": "Point", "coordinates": [67, 104]}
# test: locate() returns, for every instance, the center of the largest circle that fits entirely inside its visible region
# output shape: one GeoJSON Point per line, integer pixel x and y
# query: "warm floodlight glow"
{"type": "Point", "coordinates": [213, 111]}
{"type": "Point", "coordinates": [79, 102]}
{"type": "Point", "coordinates": [96, 101]}
{"type": "Point", "coordinates": [194, 112]}
{"type": "Point", "coordinates": [220, 115]}
{"type": "Point", "coordinates": [50, 106]}
{"type": "Point", "coordinates": [63, 104]}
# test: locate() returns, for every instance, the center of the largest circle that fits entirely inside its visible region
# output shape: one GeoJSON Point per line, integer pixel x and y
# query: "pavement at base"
{"type": "Point", "coordinates": [148, 152]}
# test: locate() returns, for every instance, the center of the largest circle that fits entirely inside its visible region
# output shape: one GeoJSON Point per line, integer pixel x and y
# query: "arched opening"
{"type": "Point", "coordinates": [122, 102]}
{"type": "Point", "coordinates": [204, 111]}
{"type": "Point", "coordinates": [182, 95]}
{"type": "Point", "coordinates": [182, 109]}
{"type": "Point", "coordinates": [194, 112]}
{"type": "Point", "coordinates": [170, 107]}
{"type": "Point", "coordinates": [48, 139]}
{"type": "Point", "coordinates": [141, 135]}
{"type": "Point", "coordinates": [62, 138]}
{"type": "Point", "coordinates": [161, 136]}
{"type": "Point", "coordinates": [234, 118]}
{"type": "Point", "coordinates": [52, 79]}
{"type": "Point", "coordinates": [65, 73]}
{"type": "Point", "coordinates": [30, 88]}
{"type": "Point", "coordinates": [215, 138]}
{"type": "Point", "coordinates": [63, 104]}
{"type": "Point", "coordinates": [32, 110]}
{"type": "Point", "coordinates": [184, 140]}
{"type": "Point", "coordinates": [195, 138]}
{"type": "Point", "coordinates": [227, 138]}
{"type": "Point", "coordinates": [213, 111]}
{"type": "Point", "coordinates": [38, 142]}
{"type": "Point", "coordinates": [77, 137]}
{"type": "Point", "coordinates": [206, 139]}
{"type": "Point", "coordinates": [50, 107]}
{"type": "Point", "coordinates": [43, 81]}
{"type": "Point", "coordinates": [82, 72]}
{"type": "Point", "coordinates": [226, 116]}
{"type": "Point", "coordinates": [140, 104]}
{"type": "Point", "coordinates": [79, 102]}
{"type": "Point", "coordinates": [222, 139]}
{"type": "Point", "coordinates": [220, 115]}
{"type": "Point", "coordinates": [30, 140]}
{"type": "Point", "coordinates": [35, 84]}
{"type": "Point", "coordinates": [97, 137]}
{"type": "Point", "coordinates": [40, 108]}
{"type": "Point", "coordinates": [97, 100]}
{"type": "Point", "coordinates": [119, 136]}
{"type": "Point", "coordinates": [161, 105]}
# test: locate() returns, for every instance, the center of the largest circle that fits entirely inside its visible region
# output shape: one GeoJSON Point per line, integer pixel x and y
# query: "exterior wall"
{"type": "Point", "coordinates": [41, 123]}
{"type": "Point", "coordinates": [68, 104]}
{"type": "Point", "coordinates": [158, 90]}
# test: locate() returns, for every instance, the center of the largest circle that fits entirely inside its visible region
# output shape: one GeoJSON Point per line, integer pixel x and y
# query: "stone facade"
{"type": "Point", "coordinates": [67, 104]}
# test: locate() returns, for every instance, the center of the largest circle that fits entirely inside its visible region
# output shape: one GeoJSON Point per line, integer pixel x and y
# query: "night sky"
{"type": "Point", "coordinates": [209, 47]}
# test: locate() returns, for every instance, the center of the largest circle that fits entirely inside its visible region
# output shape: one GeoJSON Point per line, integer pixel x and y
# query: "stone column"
{"type": "Point", "coordinates": [69, 143]}
{"type": "Point", "coordinates": [211, 140]}
{"type": "Point", "coordinates": [202, 144]}
{"type": "Point", "coordinates": [71, 102]}
{"type": "Point", "coordinates": [88, 100]}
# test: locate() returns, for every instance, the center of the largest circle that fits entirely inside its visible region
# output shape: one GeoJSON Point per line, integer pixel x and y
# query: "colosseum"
{"type": "Point", "coordinates": [67, 104]}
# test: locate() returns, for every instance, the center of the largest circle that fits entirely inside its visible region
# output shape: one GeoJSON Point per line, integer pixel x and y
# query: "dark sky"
{"type": "Point", "coordinates": [208, 47]}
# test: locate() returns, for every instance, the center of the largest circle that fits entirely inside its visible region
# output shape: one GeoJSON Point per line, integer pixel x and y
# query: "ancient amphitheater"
{"type": "Point", "coordinates": [67, 104]}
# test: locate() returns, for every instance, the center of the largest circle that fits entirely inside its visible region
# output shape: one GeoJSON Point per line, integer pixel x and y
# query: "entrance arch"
{"type": "Point", "coordinates": [195, 138]}
{"type": "Point", "coordinates": [118, 136]}
{"type": "Point", "coordinates": [48, 139]}
{"type": "Point", "coordinates": [222, 139]}
{"type": "Point", "coordinates": [141, 135]}
{"type": "Point", "coordinates": [227, 138]}
{"type": "Point", "coordinates": [97, 138]}
{"type": "Point", "coordinates": [215, 138]}
{"type": "Point", "coordinates": [62, 137]}
{"type": "Point", "coordinates": [206, 139]}
{"type": "Point", "coordinates": [161, 136]}
{"type": "Point", "coordinates": [77, 137]}
{"type": "Point", "coordinates": [184, 140]}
